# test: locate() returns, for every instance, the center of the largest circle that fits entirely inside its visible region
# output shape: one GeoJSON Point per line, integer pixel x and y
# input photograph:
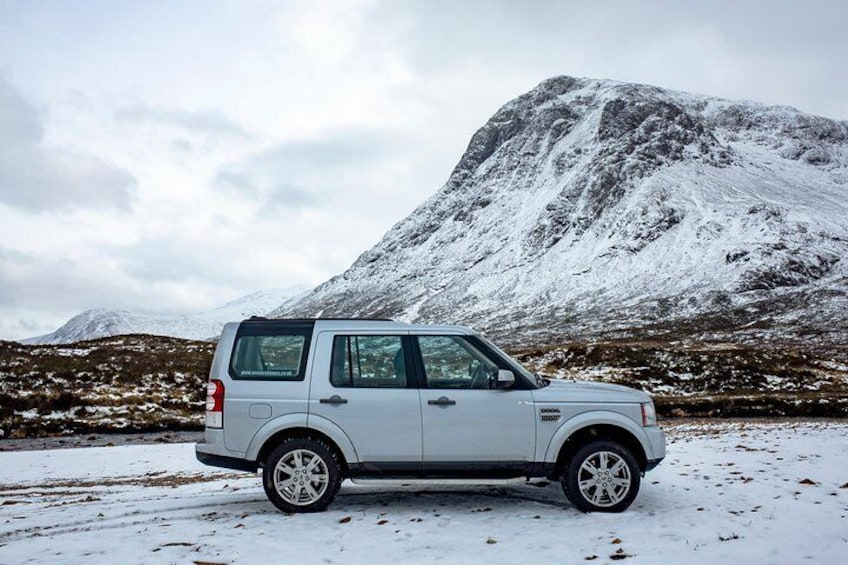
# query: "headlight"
{"type": "Point", "coordinates": [649, 414]}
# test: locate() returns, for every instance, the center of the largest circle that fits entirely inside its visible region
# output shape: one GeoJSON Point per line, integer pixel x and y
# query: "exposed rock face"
{"type": "Point", "coordinates": [586, 206]}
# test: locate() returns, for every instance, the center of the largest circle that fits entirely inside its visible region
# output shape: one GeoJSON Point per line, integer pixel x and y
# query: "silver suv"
{"type": "Point", "coordinates": [313, 402]}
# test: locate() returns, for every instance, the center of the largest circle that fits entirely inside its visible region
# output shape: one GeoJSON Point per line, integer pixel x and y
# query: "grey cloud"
{"type": "Point", "coordinates": [295, 196]}
{"type": "Point", "coordinates": [780, 51]}
{"type": "Point", "coordinates": [37, 177]}
{"type": "Point", "coordinates": [238, 180]}
{"type": "Point", "coordinates": [29, 326]}
{"type": "Point", "coordinates": [39, 283]}
{"type": "Point", "coordinates": [36, 293]}
{"type": "Point", "coordinates": [171, 258]}
{"type": "Point", "coordinates": [198, 121]}
{"type": "Point", "coordinates": [505, 26]}
{"type": "Point", "coordinates": [338, 149]}
{"type": "Point", "coordinates": [294, 175]}
{"type": "Point", "coordinates": [21, 324]}
{"type": "Point", "coordinates": [41, 292]}
{"type": "Point", "coordinates": [289, 197]}
{"type": "Point", "coordinates": [18, 119]}
{"type": "Point", "coordinates": [260, 184]}
{"type": "Point", "coordinates": [181, 146]}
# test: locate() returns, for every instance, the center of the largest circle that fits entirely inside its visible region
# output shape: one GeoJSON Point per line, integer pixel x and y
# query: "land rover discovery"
{"type": "Point", "coordinates": [314, 401]}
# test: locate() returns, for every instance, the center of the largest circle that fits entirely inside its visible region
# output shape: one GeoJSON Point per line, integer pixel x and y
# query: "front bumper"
{"type": "Point", "coordinates": [652, 463]}
{"type": "Point", "coordinates": [656, 442]}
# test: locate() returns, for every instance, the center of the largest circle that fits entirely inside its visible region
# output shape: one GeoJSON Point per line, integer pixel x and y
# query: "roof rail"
{"type": "Point", "coordinates": [362, 319]}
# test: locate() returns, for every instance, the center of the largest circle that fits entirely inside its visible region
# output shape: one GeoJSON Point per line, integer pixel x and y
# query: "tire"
{"type": "Point", "coordinates": [301, 475]}
{"type": "Point", "coordinates": [608, 474]}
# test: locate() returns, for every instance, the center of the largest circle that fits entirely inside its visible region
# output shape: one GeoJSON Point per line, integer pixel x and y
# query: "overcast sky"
{"type": "Point", "coordinates": [169, 156]}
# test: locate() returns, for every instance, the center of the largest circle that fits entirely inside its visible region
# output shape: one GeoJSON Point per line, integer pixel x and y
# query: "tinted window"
{"type": "Point", "coordinates": [453, 362]}
{"type": "Point", "coordinates": [368, 361]}
{"type": "Point", "coordinates": [275, 357]}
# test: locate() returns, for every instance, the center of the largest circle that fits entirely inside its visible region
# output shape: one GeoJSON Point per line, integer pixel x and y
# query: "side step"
{"type": "Point", "coordinates": [536, 482]}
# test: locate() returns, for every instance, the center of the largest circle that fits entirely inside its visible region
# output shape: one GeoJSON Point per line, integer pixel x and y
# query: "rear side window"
{"type": "Point", "coordinates": [269, 357]}
{"type": "Point", "coordinates": [370, 361]}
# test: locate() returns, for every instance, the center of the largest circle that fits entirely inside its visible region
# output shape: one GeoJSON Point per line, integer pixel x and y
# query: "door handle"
{"type": "Point", "coordinates": [442, 401]}
{"type": "Point", "coordinates": [335, 399]}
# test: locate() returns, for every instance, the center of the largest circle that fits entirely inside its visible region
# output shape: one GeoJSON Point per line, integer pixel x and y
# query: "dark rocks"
{"type": "Point", "coordinates": [795, 270]}
{"type": "Point", "coordinates": [733, 256]}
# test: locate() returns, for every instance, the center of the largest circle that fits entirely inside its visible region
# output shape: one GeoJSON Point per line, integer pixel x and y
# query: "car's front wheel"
{"type": "Point", "coordinates": [603, 476]}
{"type": "Point", "coordinates": [301, 475]}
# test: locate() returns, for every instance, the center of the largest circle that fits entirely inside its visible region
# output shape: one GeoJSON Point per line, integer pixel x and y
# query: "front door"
{"type": "Point", "coordinates": [465, 419]}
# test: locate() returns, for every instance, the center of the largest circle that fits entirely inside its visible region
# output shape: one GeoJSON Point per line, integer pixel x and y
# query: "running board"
{"type": "Point", "coordinates": [536, 482]}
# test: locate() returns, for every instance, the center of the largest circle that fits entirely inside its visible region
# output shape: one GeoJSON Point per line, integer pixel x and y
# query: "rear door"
{"type": "Point", "coordinates": [468, 424]}
{"type": "Point", "coordinates": [267, 369]}
{"type": "Point", "coordinates": [366, 389]}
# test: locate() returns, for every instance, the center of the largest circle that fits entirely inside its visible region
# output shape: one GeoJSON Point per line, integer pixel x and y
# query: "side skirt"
{"type": "Point", "coordinates": [452, 470]}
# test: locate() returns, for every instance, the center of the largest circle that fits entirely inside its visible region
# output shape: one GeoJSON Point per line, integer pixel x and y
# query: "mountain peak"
{"type": "Point", "coordinates": [585, 205]}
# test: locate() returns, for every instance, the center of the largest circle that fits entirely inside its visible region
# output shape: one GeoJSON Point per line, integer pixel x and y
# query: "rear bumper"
{"type": "Point", "coordinates": [205, 455]}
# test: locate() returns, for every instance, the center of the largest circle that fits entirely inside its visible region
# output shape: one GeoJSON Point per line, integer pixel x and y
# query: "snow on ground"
{"type": "Point", "coordinates": [728, 492]}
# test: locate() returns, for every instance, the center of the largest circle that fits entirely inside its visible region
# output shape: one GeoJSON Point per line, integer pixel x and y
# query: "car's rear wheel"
{"type": "Point", "coordinates": [301, 475]}
{"type": "Point", "coordinates": [603, 476]}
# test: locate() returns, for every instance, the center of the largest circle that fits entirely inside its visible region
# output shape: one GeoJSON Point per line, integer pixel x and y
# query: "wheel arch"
{"type": "Point", "coordinates": [586, 428]}
{"type": "Point", "coordinates": [280, 429]}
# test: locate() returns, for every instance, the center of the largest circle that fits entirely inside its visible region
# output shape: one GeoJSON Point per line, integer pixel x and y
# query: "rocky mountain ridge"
{"type": "Point", "coordinates": [592, 207]}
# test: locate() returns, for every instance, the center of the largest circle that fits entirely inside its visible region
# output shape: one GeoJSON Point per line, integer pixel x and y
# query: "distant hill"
{"type": "Point", "coordinates": [93, 324]}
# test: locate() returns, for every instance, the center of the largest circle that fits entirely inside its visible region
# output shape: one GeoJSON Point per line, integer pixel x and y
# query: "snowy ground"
{"type": "Point", "coordinates": [728, 492]}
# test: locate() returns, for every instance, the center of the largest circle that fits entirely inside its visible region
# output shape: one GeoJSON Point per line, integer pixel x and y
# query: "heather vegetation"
{"type": "Point", "coordinates": [710, 379]}
{"type": "Point", "coordinates": [141, 383]}
{"type": "Point", "coordinates": [125, 383]}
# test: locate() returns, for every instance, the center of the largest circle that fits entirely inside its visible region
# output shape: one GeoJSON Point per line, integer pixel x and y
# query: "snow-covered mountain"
{"type": "Point", "coordinates": [589, 206]}
{"type": "Point", "coordinates": [93, 324]}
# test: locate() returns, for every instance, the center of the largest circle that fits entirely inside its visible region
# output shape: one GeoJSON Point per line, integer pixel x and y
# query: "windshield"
{"type": "Point", "coordinates": [516, 366]}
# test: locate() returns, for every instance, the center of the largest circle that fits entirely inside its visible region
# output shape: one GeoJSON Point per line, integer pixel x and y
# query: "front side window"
{"type": "Point", "coordinates": [368, 361]}
{"type": "Point", "coordinates": [271, 357]}
{"type": "Point", "coordinates": [453, 362]}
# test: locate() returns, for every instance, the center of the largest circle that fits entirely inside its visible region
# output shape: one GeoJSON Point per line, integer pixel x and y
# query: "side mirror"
{"type": "Point", "coordinates": [505, 379]}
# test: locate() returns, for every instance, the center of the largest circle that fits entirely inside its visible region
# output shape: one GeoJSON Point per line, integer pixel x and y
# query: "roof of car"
{"type": "Point", "coordinates": [340, 324]}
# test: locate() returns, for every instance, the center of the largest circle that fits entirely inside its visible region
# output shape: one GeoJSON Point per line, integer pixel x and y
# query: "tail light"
{"type": "Point", "coordinates": [215, 404]}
